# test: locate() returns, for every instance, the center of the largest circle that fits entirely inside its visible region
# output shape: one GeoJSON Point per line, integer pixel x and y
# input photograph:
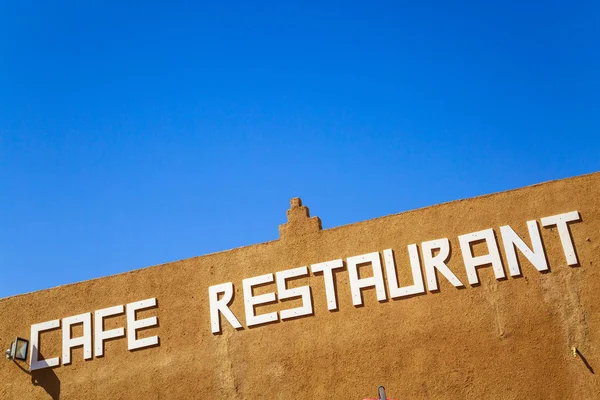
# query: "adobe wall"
{"type": "Point", "coordinates": [510, 338]}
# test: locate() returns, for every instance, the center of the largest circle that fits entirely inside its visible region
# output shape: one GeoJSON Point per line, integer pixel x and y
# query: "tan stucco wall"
{"type": "Point", "coordinates": [507, 339]}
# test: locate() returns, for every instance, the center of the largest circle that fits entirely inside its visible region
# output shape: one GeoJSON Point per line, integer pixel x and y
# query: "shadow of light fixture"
{"type": "Point", "coordinates": [18, 349]}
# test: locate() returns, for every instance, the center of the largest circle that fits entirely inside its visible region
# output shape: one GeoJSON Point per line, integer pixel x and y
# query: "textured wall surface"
{"type": "Point", "coordinates": [507, 339]}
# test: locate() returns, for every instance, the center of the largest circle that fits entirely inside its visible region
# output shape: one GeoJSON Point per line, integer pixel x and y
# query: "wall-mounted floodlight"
{"type": "Point", "coordinates": [18, 349]}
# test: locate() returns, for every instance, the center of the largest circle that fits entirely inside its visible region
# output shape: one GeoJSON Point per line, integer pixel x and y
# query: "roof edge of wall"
{"type": "Point", "coordinates": [137, 270]}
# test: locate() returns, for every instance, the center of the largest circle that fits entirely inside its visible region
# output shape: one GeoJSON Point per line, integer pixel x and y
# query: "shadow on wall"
{"type": "Point", "coordinates": [46, 378]}
{"type": "Point", "coordinates": [576, 352]}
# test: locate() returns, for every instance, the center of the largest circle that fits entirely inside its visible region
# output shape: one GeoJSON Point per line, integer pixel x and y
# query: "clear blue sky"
{"type": "Point", "coordinates": [137, 133]}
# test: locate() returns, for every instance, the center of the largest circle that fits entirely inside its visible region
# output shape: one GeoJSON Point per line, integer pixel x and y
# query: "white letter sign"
{"type": "Point", "coordinates": [472, 262]}
{"type": "Point", "coordinates": [34, 363]}
{"type": "Point", "coordinates": [563, 232]}
{"type": "Point", "coordinates": [133, 325]}
{"type": "Point", "coordinates": [86, 340]}
{"type": "Point", "coordinates": [221, 306]}
{"type": "Point", "coordinates": [356, 283]}
{"type": "Point", "coordinates": [100, 335]}
{"type": "Point", "coordinates": [250, 300]}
